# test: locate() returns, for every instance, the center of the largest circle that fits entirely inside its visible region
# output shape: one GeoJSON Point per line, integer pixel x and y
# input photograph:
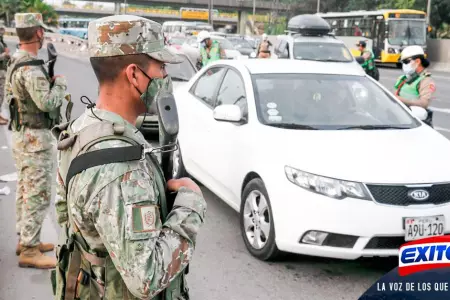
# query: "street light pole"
{"type": "Point", "coordinates": [209, 12]}
{"type": "Point", "coordinates": [318, 6]}
{"type": "Point", "coordinates": [125, 8]}
{"type": "Point", "coordinates": [428, 12]}
{"type": "Point", "coordinates": [254, 9]}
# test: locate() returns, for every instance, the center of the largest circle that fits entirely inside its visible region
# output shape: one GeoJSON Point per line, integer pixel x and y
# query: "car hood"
{"type": "Point", "coordinates": [230, 53]}
{"type": "Point", "coordinates": [246, 51]}
{"type": "Point", "coordinates": [418, 155]}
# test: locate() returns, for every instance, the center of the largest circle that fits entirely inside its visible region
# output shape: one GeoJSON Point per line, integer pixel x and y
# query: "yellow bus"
{"type": "Point", "coordinates": [387, 32]}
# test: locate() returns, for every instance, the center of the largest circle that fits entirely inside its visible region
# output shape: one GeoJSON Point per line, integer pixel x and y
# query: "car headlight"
{"type": "Point", "coordinates": [334, 188]}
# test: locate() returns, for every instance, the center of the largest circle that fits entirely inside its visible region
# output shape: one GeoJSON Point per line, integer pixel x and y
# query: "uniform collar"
{"type": "Point", "coordinates": [88, 118]}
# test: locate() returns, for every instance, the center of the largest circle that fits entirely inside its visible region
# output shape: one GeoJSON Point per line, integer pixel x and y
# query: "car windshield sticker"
{"type": "Point", "coordinates": [275, 118]}
{"type": "Point", "coordinates": [271, 105]}
{"type": "Point", "coordinates": [317, 97]}
{"type": "Point", "coordinates": [272, 112]}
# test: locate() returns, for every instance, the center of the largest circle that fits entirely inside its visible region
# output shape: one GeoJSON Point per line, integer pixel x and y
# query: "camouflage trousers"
{"type": "Point", "coordinates": [34, 181]}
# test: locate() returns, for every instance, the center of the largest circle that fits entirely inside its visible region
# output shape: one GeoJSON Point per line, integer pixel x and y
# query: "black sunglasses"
{"type": "Point", "coordinates": [407, 61]}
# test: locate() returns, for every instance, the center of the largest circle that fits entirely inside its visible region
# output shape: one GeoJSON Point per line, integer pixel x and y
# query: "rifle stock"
{"type": "Point", "coordinates": [52, 55]}
{"type": "Point", "coordinates": [168, 132]}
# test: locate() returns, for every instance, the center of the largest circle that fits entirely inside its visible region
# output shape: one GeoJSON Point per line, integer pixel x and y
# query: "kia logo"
{"type": "Point", "coordinates": [419, 195]}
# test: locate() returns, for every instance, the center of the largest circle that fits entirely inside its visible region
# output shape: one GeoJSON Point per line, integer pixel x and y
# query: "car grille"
{"type": "Point", "coordinates": [398, 194]}
{"type": "Point", "coordinates": [385, 242]}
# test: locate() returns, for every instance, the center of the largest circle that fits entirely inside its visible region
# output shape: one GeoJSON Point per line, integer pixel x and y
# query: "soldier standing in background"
{"type": "Point", "coordinates": [33, 99]}
{"type": "Point", "coordinates": [4, 57]}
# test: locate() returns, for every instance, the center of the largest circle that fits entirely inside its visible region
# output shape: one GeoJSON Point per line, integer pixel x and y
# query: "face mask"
{"type": "Point", "coordinates": [155, 86]}
{"type": "Point", "coordinates": [203, 44]}
{"type": "Point", "coordinates": [410, 68]}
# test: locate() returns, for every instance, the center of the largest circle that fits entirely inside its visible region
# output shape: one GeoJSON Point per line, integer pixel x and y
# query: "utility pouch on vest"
{"type": "Point", "coordinates": [14, 115]}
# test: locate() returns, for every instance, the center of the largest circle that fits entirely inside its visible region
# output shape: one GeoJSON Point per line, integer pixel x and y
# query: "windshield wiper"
{"type": "Point", "coordinates": [179, 78]}
{"type": "Point", "coordinates": [292, 126]}
{"type": "Point", "coordinates": [372, 127]}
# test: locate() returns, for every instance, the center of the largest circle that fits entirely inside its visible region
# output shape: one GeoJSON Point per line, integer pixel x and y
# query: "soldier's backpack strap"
{"type": "Point", "coordinates": [35, 62]}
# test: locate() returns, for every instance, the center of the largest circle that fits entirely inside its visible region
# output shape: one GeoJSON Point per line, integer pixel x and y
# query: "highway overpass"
{"type": "Point", "coordinates": [233, 5]}
{"type": "Point", "coordinates": [98, 13]}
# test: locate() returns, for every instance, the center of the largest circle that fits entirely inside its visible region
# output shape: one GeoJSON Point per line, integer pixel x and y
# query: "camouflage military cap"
{"type": "Point", "coordinates": [126, 35]}
{"type": "Point", "coordinates": [27, 20]}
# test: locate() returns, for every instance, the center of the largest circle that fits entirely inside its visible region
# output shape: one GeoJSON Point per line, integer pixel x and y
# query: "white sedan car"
{"type": "Point", "coordinates": [317, 158]}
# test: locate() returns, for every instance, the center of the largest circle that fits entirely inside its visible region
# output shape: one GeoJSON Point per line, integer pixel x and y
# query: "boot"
{"type": "Point", "coordinates": [33, 258]}
{"type": "Point", "coordinates": [43, 247]}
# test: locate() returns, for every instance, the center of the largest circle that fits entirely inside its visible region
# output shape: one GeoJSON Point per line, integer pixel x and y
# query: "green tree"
{"type": "Point", "coordinates": [39, 6]}
{"type": "Point", "coordinates": [7, 10]}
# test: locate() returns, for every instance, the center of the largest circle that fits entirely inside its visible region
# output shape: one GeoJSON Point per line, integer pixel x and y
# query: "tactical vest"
{"type": "Point", "coordinates": [409, 89]}
{"type": "Point", "coordinates": [24, 112]}
{"type": "Point", "coordinates": [214, 53]}
{"type": "Point", "coordinates": [74, 277]}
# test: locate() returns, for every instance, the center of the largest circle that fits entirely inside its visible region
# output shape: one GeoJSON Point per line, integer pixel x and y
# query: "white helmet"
{"type": "Point", "coordinates": [412, 51]}
{"type": "Point", "coordinates": [203, 35]}
{"type": "Point", "coordinates": [264, 37]}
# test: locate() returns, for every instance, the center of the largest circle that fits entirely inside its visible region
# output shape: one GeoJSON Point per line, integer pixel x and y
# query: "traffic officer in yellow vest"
{"type": "Point", "coordinates": [415, 87]}
{"type": "Point", "coordinates": [34, 101]}
{"type": "Point", "coordinates": [210, 50]}
{"type": "Point", "coordinates": [117, 242]}
{"type": "Point", "coordinates": [4, 57]}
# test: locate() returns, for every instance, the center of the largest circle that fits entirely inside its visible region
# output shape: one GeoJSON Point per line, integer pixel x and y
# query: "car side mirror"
{"type": "Point", "coordinates": [228, 113]}
{"type": "Point", "coordinates": [419, 112]}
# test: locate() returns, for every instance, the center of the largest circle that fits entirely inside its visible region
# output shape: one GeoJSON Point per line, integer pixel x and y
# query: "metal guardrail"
{"type": "Point", "coordinates": [54, 37]}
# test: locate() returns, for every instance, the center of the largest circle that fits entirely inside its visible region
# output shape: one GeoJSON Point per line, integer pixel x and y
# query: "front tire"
{"type": "Point", "coordinates": [256, 221]}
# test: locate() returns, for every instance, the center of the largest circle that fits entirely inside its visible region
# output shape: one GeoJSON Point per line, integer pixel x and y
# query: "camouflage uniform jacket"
{"type": "Point", "coordinates": [116, 209]}
{"type": "Point", "coordinates": [30, 86]}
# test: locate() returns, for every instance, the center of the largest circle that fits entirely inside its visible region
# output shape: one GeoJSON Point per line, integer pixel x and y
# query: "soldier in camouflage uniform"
{"type": "Point", "coordinates": [32, 99]}
{"type": "Point", "coordinates": [116, 242]}
{"type": "Point", "coordinates": [4, 57]}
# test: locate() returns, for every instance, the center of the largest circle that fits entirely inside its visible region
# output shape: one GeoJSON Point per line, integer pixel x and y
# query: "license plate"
{"type": "Point", "coordinates": [422, 227]}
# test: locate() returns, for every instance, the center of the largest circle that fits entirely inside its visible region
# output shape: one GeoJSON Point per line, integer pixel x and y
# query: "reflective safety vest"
{"type": "Point", "coordinates": [370, 63]}
{"type": "Point", "coordinates": [77, 271]}
{"type": "Point", "coordinates": [409, 89]}
{"type": "Point", "coordinates": [24, 112]}
{"type": "Point", "coordinates": [214, 53]}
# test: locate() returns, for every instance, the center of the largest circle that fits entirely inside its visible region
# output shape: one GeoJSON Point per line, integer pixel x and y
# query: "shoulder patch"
{"type": "Point", "coordinates": [42, 84]}
{"type": "Point", "coordinates": [144, 218]}
{"type": "Point", "coordinates": [432, 87]}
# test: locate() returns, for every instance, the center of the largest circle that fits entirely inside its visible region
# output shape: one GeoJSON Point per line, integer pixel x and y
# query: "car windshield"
{"type": "Point", "coordinates": [407, 32]}
{"type": "Point", "coordinates": [177, 41]}
{"type": "Point", "coordinates": [224, 44]}
{"type": "Point", "coordinates": [322, 52]}
{"type": "Point", "coordinates": [322, 101]}
{"type": "Point", "coordinates": [182, 71]}
{"type": "Point", "coordinates": [240, 42]}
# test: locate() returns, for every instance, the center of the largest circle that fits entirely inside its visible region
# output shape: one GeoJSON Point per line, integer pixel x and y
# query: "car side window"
{"type": "Point", "coordinates": [206, 85]}
{"type": "Point", "coordinates": [232, 91]}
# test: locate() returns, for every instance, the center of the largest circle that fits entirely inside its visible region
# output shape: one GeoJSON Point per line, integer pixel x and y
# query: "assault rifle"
{"type": "Point", "coordinates": [168, 132]}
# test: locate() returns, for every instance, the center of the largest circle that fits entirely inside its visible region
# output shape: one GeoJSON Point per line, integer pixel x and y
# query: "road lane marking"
{"type": "Point", "coordinates": [441, 110]}
{"type": "Point", "coordinates": [442, 129]}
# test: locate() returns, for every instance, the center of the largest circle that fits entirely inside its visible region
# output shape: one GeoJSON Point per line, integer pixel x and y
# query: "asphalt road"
{"type": "Point", "coordinates": [222, 269]}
